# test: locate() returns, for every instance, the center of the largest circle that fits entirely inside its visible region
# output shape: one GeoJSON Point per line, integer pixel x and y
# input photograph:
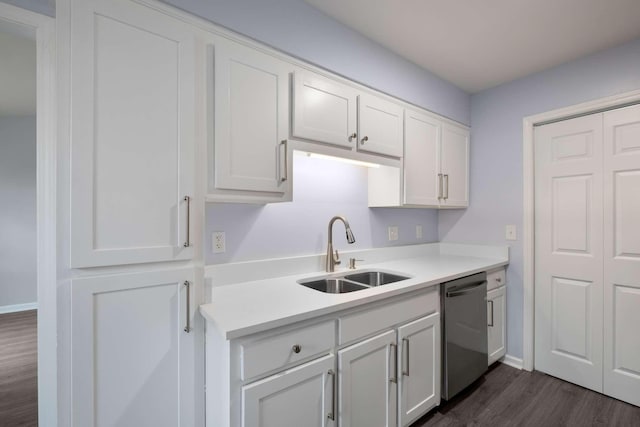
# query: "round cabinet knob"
{"type": "Point", "coordinates": [297, 349]}
{"type": "Point", "coordinates": [353, 136]}
{"type": "Point", "coordinates": [498, 279]}
{"type": "Point", "coordinates": [365, 139]}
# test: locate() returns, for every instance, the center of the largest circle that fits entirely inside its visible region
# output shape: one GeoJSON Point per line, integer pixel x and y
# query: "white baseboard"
{"type": "Point", "coordinates": [18, 307]}
{"type": "Point", "coordinates": [514, 362]}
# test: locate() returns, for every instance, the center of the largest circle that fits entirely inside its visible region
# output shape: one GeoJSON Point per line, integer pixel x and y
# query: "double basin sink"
{"type": "Point", "coordinates": [352, 282]}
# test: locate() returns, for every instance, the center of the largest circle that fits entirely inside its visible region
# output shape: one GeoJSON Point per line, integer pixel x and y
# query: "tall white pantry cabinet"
{"type": "Point", "coordinates": [135, 216]}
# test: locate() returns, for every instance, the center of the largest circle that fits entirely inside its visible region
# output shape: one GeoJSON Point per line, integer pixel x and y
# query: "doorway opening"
{"type": "Point", "coordinates": [28, 326]}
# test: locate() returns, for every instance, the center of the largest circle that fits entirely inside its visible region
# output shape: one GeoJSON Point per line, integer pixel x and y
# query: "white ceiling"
{"type": "Point", "coordinates": [478, 44]}
{"type": "Point", "coordinates": [17, 74]}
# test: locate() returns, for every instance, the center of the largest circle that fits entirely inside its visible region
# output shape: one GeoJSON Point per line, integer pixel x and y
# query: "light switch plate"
{"type": "Point", "coordinates": [393, 233]}
{"type": "Point", "coordinates": [510, 232]}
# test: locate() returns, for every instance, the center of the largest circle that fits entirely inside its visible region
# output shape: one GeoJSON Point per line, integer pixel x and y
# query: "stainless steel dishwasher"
{"type": "Point", "coordinates": [464, 332]}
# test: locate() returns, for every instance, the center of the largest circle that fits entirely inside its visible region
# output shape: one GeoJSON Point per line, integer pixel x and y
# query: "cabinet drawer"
{"type": "Point", "coordinates": [365, 322]}
{"type": "Point", "coordinates": [496, 278]}
{"type": "Point", "coordinates": [278, 351]}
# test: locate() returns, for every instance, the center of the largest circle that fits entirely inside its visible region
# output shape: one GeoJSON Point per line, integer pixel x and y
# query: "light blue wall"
{"type": "Point", "coordinates": [45, 7]}
{"type": "Point", "coordinates": [496, 153]}
{"type": "Point", "coordinates": [18, 264]}
{"type": "Point", "coordinates": [322, 189]}
{"type": "Point", "coordinates": [298, 29]}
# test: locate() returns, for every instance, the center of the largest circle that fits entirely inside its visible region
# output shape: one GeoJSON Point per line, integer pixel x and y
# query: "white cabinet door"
{"type": "Point", "coordinates": [455, 166]}
{"type": "Point", "coordinates": [568, 250]}
{"type": "Point", "coordinates": [133, 362]}
{"type": "Point", "coordinates": [419, 376]}
{"type": "Point", "coordinates": [421, 161]}
{"type": "Point", "coordinates": [302, 396]}
{"type": "Point", "coordinates": [379, 126]}
{"type": "Point", "coordinates": [368, 373]}
{"type": "Point", "coordinates": [622, 254]}
{"type": "Point", "coordinates": [132, 134]}
{"type": "Point", "coordinates": [496, 326]}
{"type": "Point", "coordinates": [323, 110]}
{"type": "Point", "coordinates": [251, 120]}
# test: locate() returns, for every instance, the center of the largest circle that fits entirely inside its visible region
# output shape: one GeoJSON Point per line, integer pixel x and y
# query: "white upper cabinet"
{"type": "Point", "coordinates": [132, 134]}
{"type": "Point", "coordinates": [421, 159]}
{"type": "Point", "coordinates": [454, 166]}
{"type": "Point", "coordinates": [251, 105]}
{"type": "Point", "coordinates": [331, 112]}
{"type": "Point", "coordinates": [324, 110]}
{"type": "Point", "coordinates": [435, 166]}
{"type": "Point", "coordinates": [379, 126]}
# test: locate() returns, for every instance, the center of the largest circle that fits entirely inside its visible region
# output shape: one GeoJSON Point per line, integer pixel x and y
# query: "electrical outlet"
{"type": "Point", "coordinates": [218, 244]}
{"type": "Point", "coordinates": [418, 232]}
{"type": "Point", "coordinates": [393, 233]}
{"type": "Point", "coordinates": [510, 232]}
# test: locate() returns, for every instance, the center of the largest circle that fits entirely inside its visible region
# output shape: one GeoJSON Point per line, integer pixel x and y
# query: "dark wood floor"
{"type": "Point", "coordinates": [18, 369]}
{"type": "Point", "coordinates": [509, 397]}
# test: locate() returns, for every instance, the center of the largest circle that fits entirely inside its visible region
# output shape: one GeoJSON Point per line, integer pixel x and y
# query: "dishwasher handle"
{"type": "Point", "coordinates": [466, 290]}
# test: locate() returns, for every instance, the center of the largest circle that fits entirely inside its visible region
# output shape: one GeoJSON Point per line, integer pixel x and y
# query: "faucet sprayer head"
{"type": "Point", "coordinates": [350, 237]}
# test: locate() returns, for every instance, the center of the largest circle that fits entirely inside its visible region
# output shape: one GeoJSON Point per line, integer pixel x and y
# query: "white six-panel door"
{"type": "Point", "coordinates": [568, 250]}
{"type": "Point", "coordinates": [587, 290]}
{"type": "Point", "coordinates": [622, 254]}
{"type": "Point", "coordinates": [132, 134]}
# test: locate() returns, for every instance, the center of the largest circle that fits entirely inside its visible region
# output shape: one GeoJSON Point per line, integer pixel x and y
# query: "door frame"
{"type": "Point", "coordinates": [46, 159]}
{"type": "Point", "coordinates": [528, 203]}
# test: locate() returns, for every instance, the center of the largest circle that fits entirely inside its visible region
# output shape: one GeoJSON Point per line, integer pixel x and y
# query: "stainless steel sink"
{"type": "Point", "coordinates": [375, 278]}
{"type": "Point", "coordinates": [333, 285]}
{"type": "Point", "coordinates": [351, 282]}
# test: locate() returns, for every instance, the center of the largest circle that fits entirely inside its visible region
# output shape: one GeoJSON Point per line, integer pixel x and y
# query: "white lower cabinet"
{"type": "Point", "coordinates": [133, 350]}
{"type": "Point", "coordinates": [368, 379]}
{"type": "Point", "coordinates": [318, 374]}
{"type": "Point", "coordinates": [419, 376]}
{"type": "Point", "coordinates": [496, 325]}
{"type": "Point", "coordinates": [302, 396]}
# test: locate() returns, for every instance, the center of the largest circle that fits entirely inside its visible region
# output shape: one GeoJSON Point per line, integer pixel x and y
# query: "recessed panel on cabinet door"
{"type": "Point", "coordinates": [133, 361]}
{"type": "Point", "coordinates": [454, 166]}
{"type": "Point", "coordinates": [132, 134]}
{"type": "Point", "coordinates": [379, 126]}
{"type": "Point", "coordinates": [324, 110]}
{"type": "Point", "coordinates": [251, 119]}
{"type": "Point", "coordinates": [421, 159]}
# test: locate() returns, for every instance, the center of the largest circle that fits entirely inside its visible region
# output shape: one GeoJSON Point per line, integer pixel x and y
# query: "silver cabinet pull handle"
{"type": "Point", "coordinates": [285, 176]}
{"type": "Point", "coordinates": [405, 350]}
{"type": "Point", "coordinates": [332, 415]}
{"type": "Point", "coordinates": [491, 302]}
{"type": "Point", "coordinates": [353, 136]}
{"type": "Point", "coordinates": [187, 242]}
{"type": "Point", "coordinates": [187, 328]}
{"type": "Point", "coordinates": [365, 139]}
{"type": "Point", "coordinates": [446, 193]}
{"type": "Point", "coordinates": [394, 371]}
{"type": "Point", "coordinates": [439, 186]}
